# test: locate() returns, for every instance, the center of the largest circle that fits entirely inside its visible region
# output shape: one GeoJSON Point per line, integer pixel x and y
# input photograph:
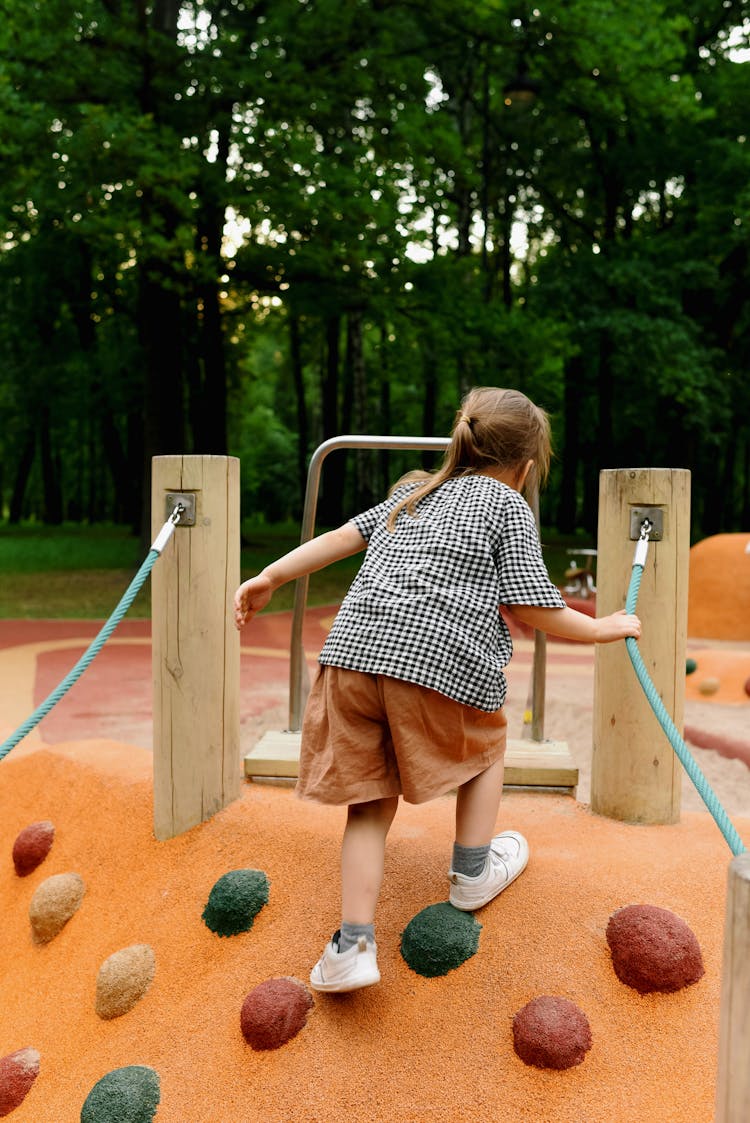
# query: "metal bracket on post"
{"type": "Point", "coordinates": [655, 516]}
{"type": "Point", "coordinates": [187, 499]}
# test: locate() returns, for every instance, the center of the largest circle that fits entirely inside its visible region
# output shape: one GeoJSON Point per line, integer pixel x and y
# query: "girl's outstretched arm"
{"type": "Point", "coordinates": [311, 556]}
{"type": "Point", "coordinates": [569, 624]}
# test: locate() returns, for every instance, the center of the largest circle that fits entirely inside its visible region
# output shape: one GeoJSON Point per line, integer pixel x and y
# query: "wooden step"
{"type": "Point", "coordinates": [546, 764]}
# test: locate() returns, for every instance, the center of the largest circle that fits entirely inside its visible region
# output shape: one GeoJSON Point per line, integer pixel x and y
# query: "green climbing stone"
{"type": "Point", "coordinates": [438, 939]}
{"type": "Point", "coordinates": [235, 901]}
{"type": "Point", "coordinates": [128, 1095]}
{"type": "Point", "coordinates": [690, 666]}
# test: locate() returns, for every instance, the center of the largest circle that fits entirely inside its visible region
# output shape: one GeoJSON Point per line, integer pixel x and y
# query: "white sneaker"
{"type": "Point", "coordinates": [508, 857]}
{"type": "Point", "coordinates": [346, 970]}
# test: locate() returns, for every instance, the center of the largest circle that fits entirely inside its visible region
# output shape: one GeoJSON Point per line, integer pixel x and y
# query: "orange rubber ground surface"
{"type": "Point", "coordinates": [409, 1049]}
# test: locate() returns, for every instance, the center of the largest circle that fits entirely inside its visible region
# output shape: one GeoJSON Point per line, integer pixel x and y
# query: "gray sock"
{"type": "Point", "coordinates": [469, 860]}
{"type": "Point", "coordinates": [348, 934]}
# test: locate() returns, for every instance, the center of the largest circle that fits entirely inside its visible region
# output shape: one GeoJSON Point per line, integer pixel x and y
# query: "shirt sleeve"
{"type": "Point", "coordinates": [523, 576]}
{"type": "Point", "coordinates": [368, 520]}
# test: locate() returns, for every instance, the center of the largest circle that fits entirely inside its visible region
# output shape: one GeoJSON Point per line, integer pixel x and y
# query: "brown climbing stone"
{"type": "Point", "coordinates": [32, 846]}
{"type": "Point", "coordinates": [551, 1032]}
{"type": "Point", "coordinates": [18, 1071]}
{"type": "Point", "coordinates": [653, 950]}
{"type": "Point", "coordinates": [123, 980]}
{"type": "Point", "coordinates": [274, 1012]}
{"type": "Point", "coordinates": [53, 904]}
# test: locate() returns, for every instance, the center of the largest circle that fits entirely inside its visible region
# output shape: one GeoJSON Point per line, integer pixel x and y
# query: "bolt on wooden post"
{"type": "Point", "coordinates": [733, 1078]}
{"type": "Point", "coordinates": [195, 646]}
{"type": "Point", "coordinates": [635, 774]}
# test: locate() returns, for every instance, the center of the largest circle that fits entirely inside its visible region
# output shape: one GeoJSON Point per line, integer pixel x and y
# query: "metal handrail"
{"type": "Point", "coordinates": [298, 678]}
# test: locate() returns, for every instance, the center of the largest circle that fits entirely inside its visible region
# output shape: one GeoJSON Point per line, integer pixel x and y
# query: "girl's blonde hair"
{"type": "Point", "coordinates": [493, 429]}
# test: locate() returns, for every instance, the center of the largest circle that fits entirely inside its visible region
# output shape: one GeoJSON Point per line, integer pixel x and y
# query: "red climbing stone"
{"type": "Point", "coordinates": [653, 950]}
{"type": "Point", "coordinates": [274, 1012]}
{"type": "Point", "coordinates": [18, 1071]}
{"type": "Point", "coordinates": [32, 846]}
{"type": "Point", "coordinates": [551, 1032]}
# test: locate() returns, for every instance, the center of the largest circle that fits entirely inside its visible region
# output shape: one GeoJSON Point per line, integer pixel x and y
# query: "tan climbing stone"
{"type": "Point", "coordinates": [53, 904]}
{"type": "Point", "coordinates": [123, 980]}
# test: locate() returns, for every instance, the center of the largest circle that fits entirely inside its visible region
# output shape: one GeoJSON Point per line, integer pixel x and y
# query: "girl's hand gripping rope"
{"type": "Point", "coordinates": [620, 625]}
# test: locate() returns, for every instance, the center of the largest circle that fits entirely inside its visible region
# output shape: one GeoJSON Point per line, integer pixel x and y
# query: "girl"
{"type": "Point", "coordinates": [409, 692]}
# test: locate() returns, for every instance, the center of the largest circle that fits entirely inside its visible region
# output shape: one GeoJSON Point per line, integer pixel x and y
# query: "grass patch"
{"type": "Point", "coordinates": [72, 572]}
{"type": "Point", "coordinates": [81, 572]}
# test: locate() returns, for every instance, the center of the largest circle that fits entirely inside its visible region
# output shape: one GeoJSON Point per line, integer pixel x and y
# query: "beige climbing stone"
{"type": "Point", "coordinates": [53, 904]}
{"type": "Point", "coordinates": [123, 980]}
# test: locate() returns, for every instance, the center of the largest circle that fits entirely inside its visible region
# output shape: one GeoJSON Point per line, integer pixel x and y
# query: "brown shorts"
{"type": "Point", "coordinates": [370, 736]}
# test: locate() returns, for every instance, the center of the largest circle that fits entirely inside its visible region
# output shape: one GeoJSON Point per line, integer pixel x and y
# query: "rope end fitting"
{"type": "Point", "coordinates": [167, 530]}
{"type": "Point", "coordinates": [641, 546]}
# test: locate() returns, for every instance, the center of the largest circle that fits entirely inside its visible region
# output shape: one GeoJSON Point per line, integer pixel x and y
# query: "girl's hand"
{"type": "Point", "coordinates": [251, 597]}
{"type": "Point", "coordinates": [619, 625]}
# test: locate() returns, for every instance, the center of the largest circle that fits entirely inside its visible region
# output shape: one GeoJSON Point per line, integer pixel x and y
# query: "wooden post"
{"type": "Point", "coordinates": [635, 774]}
{"type": "Point", "coordinates": [195, 646]}
{"type": "Point", "coordinates": [733, 1079]}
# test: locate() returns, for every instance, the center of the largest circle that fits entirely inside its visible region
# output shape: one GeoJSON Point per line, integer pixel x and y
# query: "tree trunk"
{"type": "Point", "coordinates": [126, 503]}
{"type": "Point", "coordinates": [725, 497]}
{"type": "Point", "coordinates": [51, 484]}
{"type": "Point", "coordinates": [160, 329]}
{"type": "Point", "coordinates": [21, 479]}
{"type": "Point", "coordinates": [299, 387]}
{"type": "Point", "coordinates": [364, 460]}
{"type": "Point", "coordinates": [384, 457]}
{"type": "Point", "coordinates": [568, 506]}
{"type": "Point", "coordinates": [331, 500]}
{"type": "Point", "coordinates": [605, 452]}
{"type": "Point", "coordinates": [429, 402]}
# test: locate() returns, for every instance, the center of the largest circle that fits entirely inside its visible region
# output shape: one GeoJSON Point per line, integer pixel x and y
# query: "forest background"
{"type": "Point", "coordinates": [244, 227]}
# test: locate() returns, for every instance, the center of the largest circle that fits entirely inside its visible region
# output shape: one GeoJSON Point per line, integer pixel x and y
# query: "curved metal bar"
{"type": "Point", "coordinates": [298, 678]}
{"type": "Point", "coordinates": [538, 698]}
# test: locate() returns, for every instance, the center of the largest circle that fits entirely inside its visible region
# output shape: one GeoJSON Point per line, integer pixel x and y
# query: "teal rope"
{"type": "Point", "coordinates": [88, 655]}
{"type": "Point", "coordinates": [705, 791]}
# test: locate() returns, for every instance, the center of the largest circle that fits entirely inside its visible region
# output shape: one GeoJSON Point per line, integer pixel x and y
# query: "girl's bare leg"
{"type": "Point", "coordinates": [363, 856]}
{"type": "Point", "coordinates": [477, 805]}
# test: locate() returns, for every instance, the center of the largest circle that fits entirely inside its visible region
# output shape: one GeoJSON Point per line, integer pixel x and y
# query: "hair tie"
{"type": "Point", "coordinates": [465, 417]}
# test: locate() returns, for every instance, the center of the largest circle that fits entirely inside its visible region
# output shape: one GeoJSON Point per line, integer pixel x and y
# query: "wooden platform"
{"type": "Point", "coordinates": [546, 764]}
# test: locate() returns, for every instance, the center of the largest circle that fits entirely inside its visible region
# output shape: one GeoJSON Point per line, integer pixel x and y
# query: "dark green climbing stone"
{"type": "Point", "coordinates": [438, 939]}
{"type": "Point", "coordinates": [125, 1095]}
{"type": "Point", "coordinates": [235, 901]}
{"type": "Point", "coordinates": [690, 666]}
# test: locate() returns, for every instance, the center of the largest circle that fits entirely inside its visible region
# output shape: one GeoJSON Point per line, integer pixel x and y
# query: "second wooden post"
{"type": "Point", "coordinates": [733, 1078]}
{"type": "Point", "coordinates": [635, 774]}
{"type": "Point", "coordinates": [195, 646]}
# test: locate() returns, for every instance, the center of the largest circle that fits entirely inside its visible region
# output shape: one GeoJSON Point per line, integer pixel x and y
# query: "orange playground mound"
{"type": "Point", "coordinates": [720, 675]}
{"type": "Point", "coordinates": [411, 1048]}
{"type": "Point", "coordinates": [719, 588]}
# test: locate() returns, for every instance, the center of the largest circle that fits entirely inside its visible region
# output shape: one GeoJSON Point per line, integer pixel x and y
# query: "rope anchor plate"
{"type": "Point", "coordinates": [186, 499]}
{"type": "Point", "coordinates": [655, 516]}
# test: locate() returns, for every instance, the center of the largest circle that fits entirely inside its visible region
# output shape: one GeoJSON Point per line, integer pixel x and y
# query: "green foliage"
{"type": "Point", "coordinates": [243, 228]}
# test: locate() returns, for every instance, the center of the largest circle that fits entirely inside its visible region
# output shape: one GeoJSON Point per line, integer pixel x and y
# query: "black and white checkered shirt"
{"type": "Point", "coordinates": [424, 605]}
